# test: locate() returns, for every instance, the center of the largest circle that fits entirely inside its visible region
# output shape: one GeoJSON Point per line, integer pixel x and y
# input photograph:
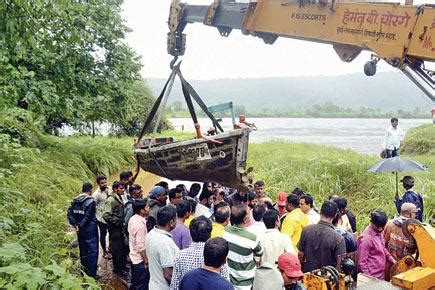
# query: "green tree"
{"type": "Point", "coordinates": [66, 60]}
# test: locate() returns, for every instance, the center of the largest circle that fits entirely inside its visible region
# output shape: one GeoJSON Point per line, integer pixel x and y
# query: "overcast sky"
{"type": "Point", "coordinates": [209, 55]}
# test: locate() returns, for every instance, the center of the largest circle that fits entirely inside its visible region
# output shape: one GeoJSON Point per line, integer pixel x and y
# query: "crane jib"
{"type": "Point", "coordinates": [401, 35]}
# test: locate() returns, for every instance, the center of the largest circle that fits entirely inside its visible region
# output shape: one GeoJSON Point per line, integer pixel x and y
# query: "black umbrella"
{"type": "Point", "coordinates": [397, 164]}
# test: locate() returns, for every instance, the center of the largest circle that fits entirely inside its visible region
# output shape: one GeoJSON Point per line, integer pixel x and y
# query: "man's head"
{"type": "Point", "coordinates": [259, 187]}
{"type": "Point", "coordinates": [258, 212]}
{"type": "Point", "coordinates": [222, 213]}
{"type": "Point", "coordinates": [124, 178]}
{"type": "Point", "coordinates": [252, 199]}
{"type": "Point", "coordinates": [102, 182]}
{"type": "Point", "coordinates": [158, 193]}
{"type": "Point", "coordinates": [220, 196]}
{"type": "Point", "coordinates": [267, 202]}
{"type": "Point", "coordinates": [136, 191]}
{"type": "Point", "coordinates": [408, 210]}
{"type": "Point", "coordinates": [183, 209]}
{"type": "Point", "coordinates": [341, 203]}
{"type": "Point", "coordinates": [163, 184]}
{"type": "Point", "coordinates": [208, 186]}
{"type": "Point", "coordinates": [282, 202]}
{"type": "Point", "coordinates": [378, 219]}
{"type": "Point", "coordinates": [290, 268]}
{"type": "Point", "coordinates": [194, 189]}
{"type": "Point", "coordinates": [140, 207]}
{"type": "Point", "coordinates": [271, 219]}
{"type": "Point", "coordinates": [200, 229]}
{"type": "Point", "coordinates": [87, 188]}
{"type": "Point", "coordinates": [239, 215]}
{"type": "Point", "coordinates": [298, 192]}
{"type": "Point", "coordinates": [130, 177]}
{"type": "Point", "coordinates": [216, 187]}
{"type": "Point", "coordinates": [206, 198]}
{"type": "Point", "coordinates": [329, 211]}
{"type": "Point", "coordinates": [118, 187]}
{"type": "Point", "coordinates": [306, 203]}
{"type": "Point", "coordinates": [192, 205]}
{"type": "Point", "coordinates": [215, 252]}
{"type": "Point", "coordinates": [166, 217]}
{"type": "Point", "coordinates": [334, 196]}
{"type": "Point", "coordinates": [182, 188]}
{"type": "Point", "coordinates": [175, 196]}
{"type": "Point", "coordinates": [408, 182]}
{"type": "Point", "coordinates": [292, 202]}
{"type": "Point", "coordinates": [394, 122]}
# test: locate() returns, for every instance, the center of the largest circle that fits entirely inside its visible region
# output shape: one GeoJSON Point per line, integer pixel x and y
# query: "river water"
{"type": "Point", "coordinates": [361, 135]}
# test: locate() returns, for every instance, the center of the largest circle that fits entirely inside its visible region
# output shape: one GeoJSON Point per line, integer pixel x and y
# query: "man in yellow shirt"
{"type": "Point", "coordinates": [295, 220]}
{"type": "Point", "coordinates": [222, 219]}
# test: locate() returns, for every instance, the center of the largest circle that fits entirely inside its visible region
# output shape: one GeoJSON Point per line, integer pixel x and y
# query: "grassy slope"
{"type": "Point", "coordinates": [38, 181]}
{"type": "Point", "coordinates": [38, 186]}
{"type": "Point", "coordinates": [323, 171]}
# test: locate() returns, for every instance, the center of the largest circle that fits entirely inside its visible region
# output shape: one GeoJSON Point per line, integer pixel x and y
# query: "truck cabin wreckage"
{"type": "Point", "coordinates": [401, 35]}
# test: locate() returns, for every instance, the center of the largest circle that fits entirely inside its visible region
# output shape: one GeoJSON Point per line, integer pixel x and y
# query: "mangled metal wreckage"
{"type": "Point", "coordinates": [220, 157]}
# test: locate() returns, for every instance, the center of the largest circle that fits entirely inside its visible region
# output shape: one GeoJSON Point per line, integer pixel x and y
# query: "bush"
{"type": "Point", "coordinates": [419, 140]}
{"type": "Point", "coordinates": [20, 125]}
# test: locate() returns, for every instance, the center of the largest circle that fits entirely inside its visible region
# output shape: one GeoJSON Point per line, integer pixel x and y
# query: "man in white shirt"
{"type": "Point", "coordinates": [161, 249]}
{"type": "Point", "coordinates": [273, 241]}
{"type": "Point", "coordinates": [203, 207]}
{"type": "Point", "coordinates": [393, 136]}
{"type": "Point", "coordinates": [307, 207]}
{"type": "Point", "coordinates": [100, 196]}
{"type": "Point", "coordinates": [258, 226]}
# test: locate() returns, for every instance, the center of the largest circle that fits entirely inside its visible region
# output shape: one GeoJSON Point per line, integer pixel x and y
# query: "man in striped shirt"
{"type": "Point", "coordinates": [243, 246]}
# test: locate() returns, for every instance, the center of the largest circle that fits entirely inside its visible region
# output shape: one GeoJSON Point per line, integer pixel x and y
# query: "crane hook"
{"type": "Point", "coordinates": [171, 65]}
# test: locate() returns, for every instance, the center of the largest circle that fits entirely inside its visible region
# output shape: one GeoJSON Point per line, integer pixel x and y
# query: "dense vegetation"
{"type": "Point", "coordinates": [39, 176]}
{"type": "Point", "coordinates": [323, 110]}
{"type": "Point", "coordinates": [323, 171]}
{"type": "Point", "coordinates": [61, 63]}
{"type": "Point", "coordinates": [67, 62]}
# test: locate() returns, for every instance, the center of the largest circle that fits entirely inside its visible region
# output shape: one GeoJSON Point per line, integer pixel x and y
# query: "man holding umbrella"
{"type": "Point", "coordinates": [410, 196]}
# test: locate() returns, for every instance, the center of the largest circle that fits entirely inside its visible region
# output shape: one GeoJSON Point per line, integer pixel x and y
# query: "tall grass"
{"type": "Point", "coordinates": [38, 180]}
{"type": "Point", "coordinates": [36, 188]}
{"type": "Point", "coordinates": [323, 171]}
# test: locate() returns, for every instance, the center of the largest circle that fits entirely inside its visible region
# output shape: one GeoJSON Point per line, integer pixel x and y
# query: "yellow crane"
{"type": "Point", "coordinates": [401, 35]}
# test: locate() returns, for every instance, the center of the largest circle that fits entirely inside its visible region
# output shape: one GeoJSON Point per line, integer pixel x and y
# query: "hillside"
{"type": "Point", "coordinates": [386, 91]}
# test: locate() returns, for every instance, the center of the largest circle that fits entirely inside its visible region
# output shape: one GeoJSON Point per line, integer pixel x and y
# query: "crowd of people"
{"type": "Point", "coordinates": [212, 237]}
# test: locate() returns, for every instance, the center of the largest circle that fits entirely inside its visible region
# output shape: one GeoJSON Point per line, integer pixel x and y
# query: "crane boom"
{"type": "Point", "coordinates": [401, 35]}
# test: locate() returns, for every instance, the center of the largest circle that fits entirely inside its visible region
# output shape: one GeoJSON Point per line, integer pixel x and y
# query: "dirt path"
{"type": "Point", "coordinates": [107, 278]}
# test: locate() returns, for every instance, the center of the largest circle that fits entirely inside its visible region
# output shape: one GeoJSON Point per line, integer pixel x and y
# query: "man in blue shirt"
{"type": "Point", "coordinates": [208, 276]}
{"type": "Point", "coordinates": [410, 196]}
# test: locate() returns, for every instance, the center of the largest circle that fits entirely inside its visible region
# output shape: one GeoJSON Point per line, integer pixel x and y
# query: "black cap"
{"type": "Point", "coordinates": [408, 180]}
{"type": "Point", "coordinates": [86, 187]}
